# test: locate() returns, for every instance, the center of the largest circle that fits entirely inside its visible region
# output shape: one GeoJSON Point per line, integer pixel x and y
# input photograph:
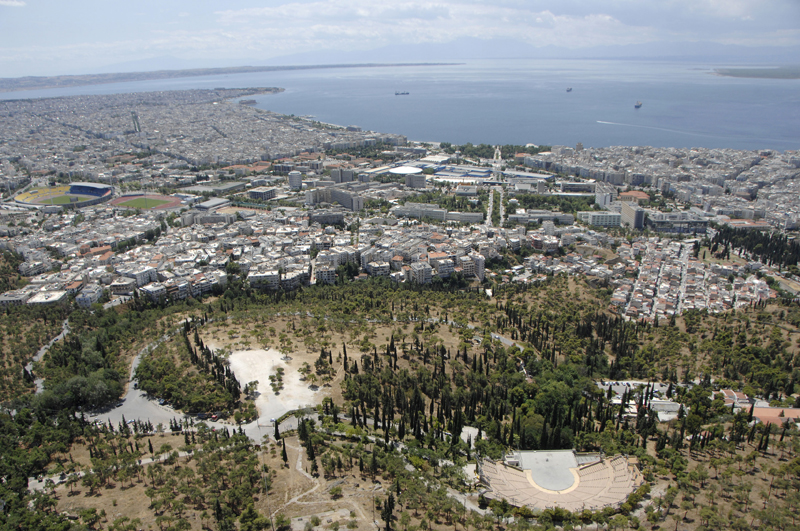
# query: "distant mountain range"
{"type": "Point", "coordinates": [467, 48]}
{"type": "Point", "coordinates": [473, 48]}
{"type": "Point", "coordinates": [460, 50]}
{"type": "Point", "coordinates": [45, 82]}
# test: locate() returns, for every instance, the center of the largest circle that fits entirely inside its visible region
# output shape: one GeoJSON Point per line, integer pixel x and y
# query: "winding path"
{"type": "Point", "coordinates": [38, 356]}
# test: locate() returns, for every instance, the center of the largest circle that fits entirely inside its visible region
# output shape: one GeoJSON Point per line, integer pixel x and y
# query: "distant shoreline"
{"type": "Point", "coordinates": [50, 82]}
{"type": "Point", "coordinates": [779, 72]}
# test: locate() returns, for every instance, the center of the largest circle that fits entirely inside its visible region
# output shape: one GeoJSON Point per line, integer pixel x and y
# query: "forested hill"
{"type": "Point", "coordinates": [420, 365]}
{"type": "Point", "coordinates": [773, 249]}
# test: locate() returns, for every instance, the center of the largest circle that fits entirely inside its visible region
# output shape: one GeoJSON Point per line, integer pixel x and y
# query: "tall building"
{"type": "Point", "coordinates": [325, 274]}
{"type": "Point", "coordinates": [480, 265]}
{"type": "Point", "coordinates": [342, 176]}
{"type": "Point", "coordinates": [295, 180]}
{"type": "Point", "coordinates": [415, 180]}
{"type": "Point", "coordinates": [632, 215]}
{"type": "Point", "coordinates": [421, 272]}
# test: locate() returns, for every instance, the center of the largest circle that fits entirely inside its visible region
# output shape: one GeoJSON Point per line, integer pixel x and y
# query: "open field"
{"type": "Point", "coordinates": [152, 202]}
{"type": "Point", "coordinates": [63, 199]}
{"type": "Point", "coordinates": [141, 202]}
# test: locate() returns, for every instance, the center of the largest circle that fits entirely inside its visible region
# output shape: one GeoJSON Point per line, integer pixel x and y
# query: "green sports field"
{"type": "Point", "coordinates": [61, 200]}
{"type": "Point", "coordinates": [141, 202]}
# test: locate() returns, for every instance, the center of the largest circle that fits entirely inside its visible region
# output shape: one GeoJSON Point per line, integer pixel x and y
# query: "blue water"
{"type": "Point", "coordinates": [522, 101]}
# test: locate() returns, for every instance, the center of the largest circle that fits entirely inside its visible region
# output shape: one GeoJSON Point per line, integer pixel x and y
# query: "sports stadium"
{"type": "Point", "coordinates": [560, 478]}
{"type": "Point", "coordinates": [75, 195]}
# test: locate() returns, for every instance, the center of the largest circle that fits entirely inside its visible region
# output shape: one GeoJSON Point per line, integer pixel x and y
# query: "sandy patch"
{"type": "Point", "coordinates": [259, 364]}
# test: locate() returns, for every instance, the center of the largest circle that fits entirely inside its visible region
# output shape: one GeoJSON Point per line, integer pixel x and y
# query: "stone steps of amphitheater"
{"type": "Point", "coordinates": [600, 484]}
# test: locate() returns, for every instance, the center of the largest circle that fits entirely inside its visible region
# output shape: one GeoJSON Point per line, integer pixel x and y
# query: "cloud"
{"type": "Point", "coordinates": [283, 27]}
{"type": "Point", "coordinates": [358, 24]}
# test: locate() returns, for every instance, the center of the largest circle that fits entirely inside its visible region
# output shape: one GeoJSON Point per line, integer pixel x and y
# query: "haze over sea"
{"type": "Point", "coordinates": [525, 101]}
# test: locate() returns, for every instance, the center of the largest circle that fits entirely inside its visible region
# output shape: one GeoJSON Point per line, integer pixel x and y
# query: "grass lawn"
{"type": "Point", "coordinates": [141, 202]}
{"type": "Point", "coordinates": [59, 200]}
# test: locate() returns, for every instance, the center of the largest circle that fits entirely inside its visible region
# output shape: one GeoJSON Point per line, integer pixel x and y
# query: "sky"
{"type": "Point", "coordinates": [54, 37]}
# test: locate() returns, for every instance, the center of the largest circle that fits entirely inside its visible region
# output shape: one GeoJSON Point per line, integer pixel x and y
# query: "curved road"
{"type": "Point", "coordinates": [38, 356]}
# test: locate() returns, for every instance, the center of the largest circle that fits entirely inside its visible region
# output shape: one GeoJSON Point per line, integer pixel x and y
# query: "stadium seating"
{"type": "Point", "coordinates": [599, 484]}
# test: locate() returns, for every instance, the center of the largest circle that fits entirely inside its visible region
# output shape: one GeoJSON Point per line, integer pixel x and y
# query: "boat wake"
{"type": "Point", "coordinates": [678, 131]}
{"type": "Point", "coordinates": [690, 133]}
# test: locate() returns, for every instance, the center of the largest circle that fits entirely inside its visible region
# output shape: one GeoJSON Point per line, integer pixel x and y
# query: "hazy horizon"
{"type": "Point", "coordinates": [45, 37]}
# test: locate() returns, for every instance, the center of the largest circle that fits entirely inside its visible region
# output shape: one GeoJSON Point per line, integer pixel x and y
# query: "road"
{"type": "Point", "coordinates": [119, 300]}
{"type": "Point", "coordinates": [489, 208]}
{"type": "Point", "coordinates": [38, 356]}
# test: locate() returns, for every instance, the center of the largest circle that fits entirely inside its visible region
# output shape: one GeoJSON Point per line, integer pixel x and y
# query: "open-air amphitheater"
{"type": "Point", "coordinates": [560, 478]}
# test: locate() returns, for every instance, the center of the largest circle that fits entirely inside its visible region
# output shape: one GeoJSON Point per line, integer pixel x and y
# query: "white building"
{"type": "Point", "coordinates": [264, 279]}
{"type": "Point", "coordinates": [325, 274]}
{"type": "Point", "coordinates": [295, 180]}
{"type": "Point", "coordinates": [154, 291]}
{"type": "Point", "coordinates": [445, 268]}
{"type": "Point", "coordinates": [379, 269]}
{"type": "Point", "coordinates": [601, 218]}
{"type": "Point", "coordinates": [480, 265]}
{"type": "Point", "coordinates": [89, 295]}
{"type": "Point", "coordinates": [421, 272]}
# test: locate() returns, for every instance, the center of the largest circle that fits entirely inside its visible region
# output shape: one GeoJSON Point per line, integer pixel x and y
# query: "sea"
{"type": "Point", "coordinates": [523, 101]}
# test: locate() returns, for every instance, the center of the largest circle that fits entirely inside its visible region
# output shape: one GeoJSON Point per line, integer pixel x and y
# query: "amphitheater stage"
{"type": "Point", "coordinates": [553, 469]}
{"type": "Point", "coordinates": [560, 478]}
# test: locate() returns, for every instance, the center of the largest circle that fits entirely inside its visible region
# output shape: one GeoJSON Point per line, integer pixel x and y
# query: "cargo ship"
{"type": "Point", "coordinates": [401, 93]}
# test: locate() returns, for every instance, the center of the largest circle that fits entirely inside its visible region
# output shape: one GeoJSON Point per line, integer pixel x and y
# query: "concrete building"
{"type": "Point", "coordinates": [265, 279]}
{"type": "Point", "coordinates": [420, 211]}
{"type": "Point", "coordinates": [325, 274]}
{"type": "Point", "coordinates": [29, 269]}
{"type": "Point", "coordinates": [263, 193]}
{"type": "Point", "coordinates": [327, 217]}
{"type": "Point", "coordinates": [49, 297]}
{"type": "Point", "coordinates": [676, 222]}
{"type": "Point", "coordinates": [601, 218]}
{"type": "Point", "coordinates": [154, 292]}
{"type": "Point", "coordinates": [89, 295]}
{"type": "Point", "coordinates": [480, 265]}
{"type": "Point", "coordinates": [295, 180]}
{"type": "Point", "coordinates": [421, 272]}
{"type": "Point", "coordinates": [416, 180]}
{"type": "Point", "coordinates": [213, 204]}
{"type": "Point", "coordinates": [335, 194]}
{"type": "Point", "coordinates": [379, 269]}
{"type": "Point", "coordinates": [632, 216]}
